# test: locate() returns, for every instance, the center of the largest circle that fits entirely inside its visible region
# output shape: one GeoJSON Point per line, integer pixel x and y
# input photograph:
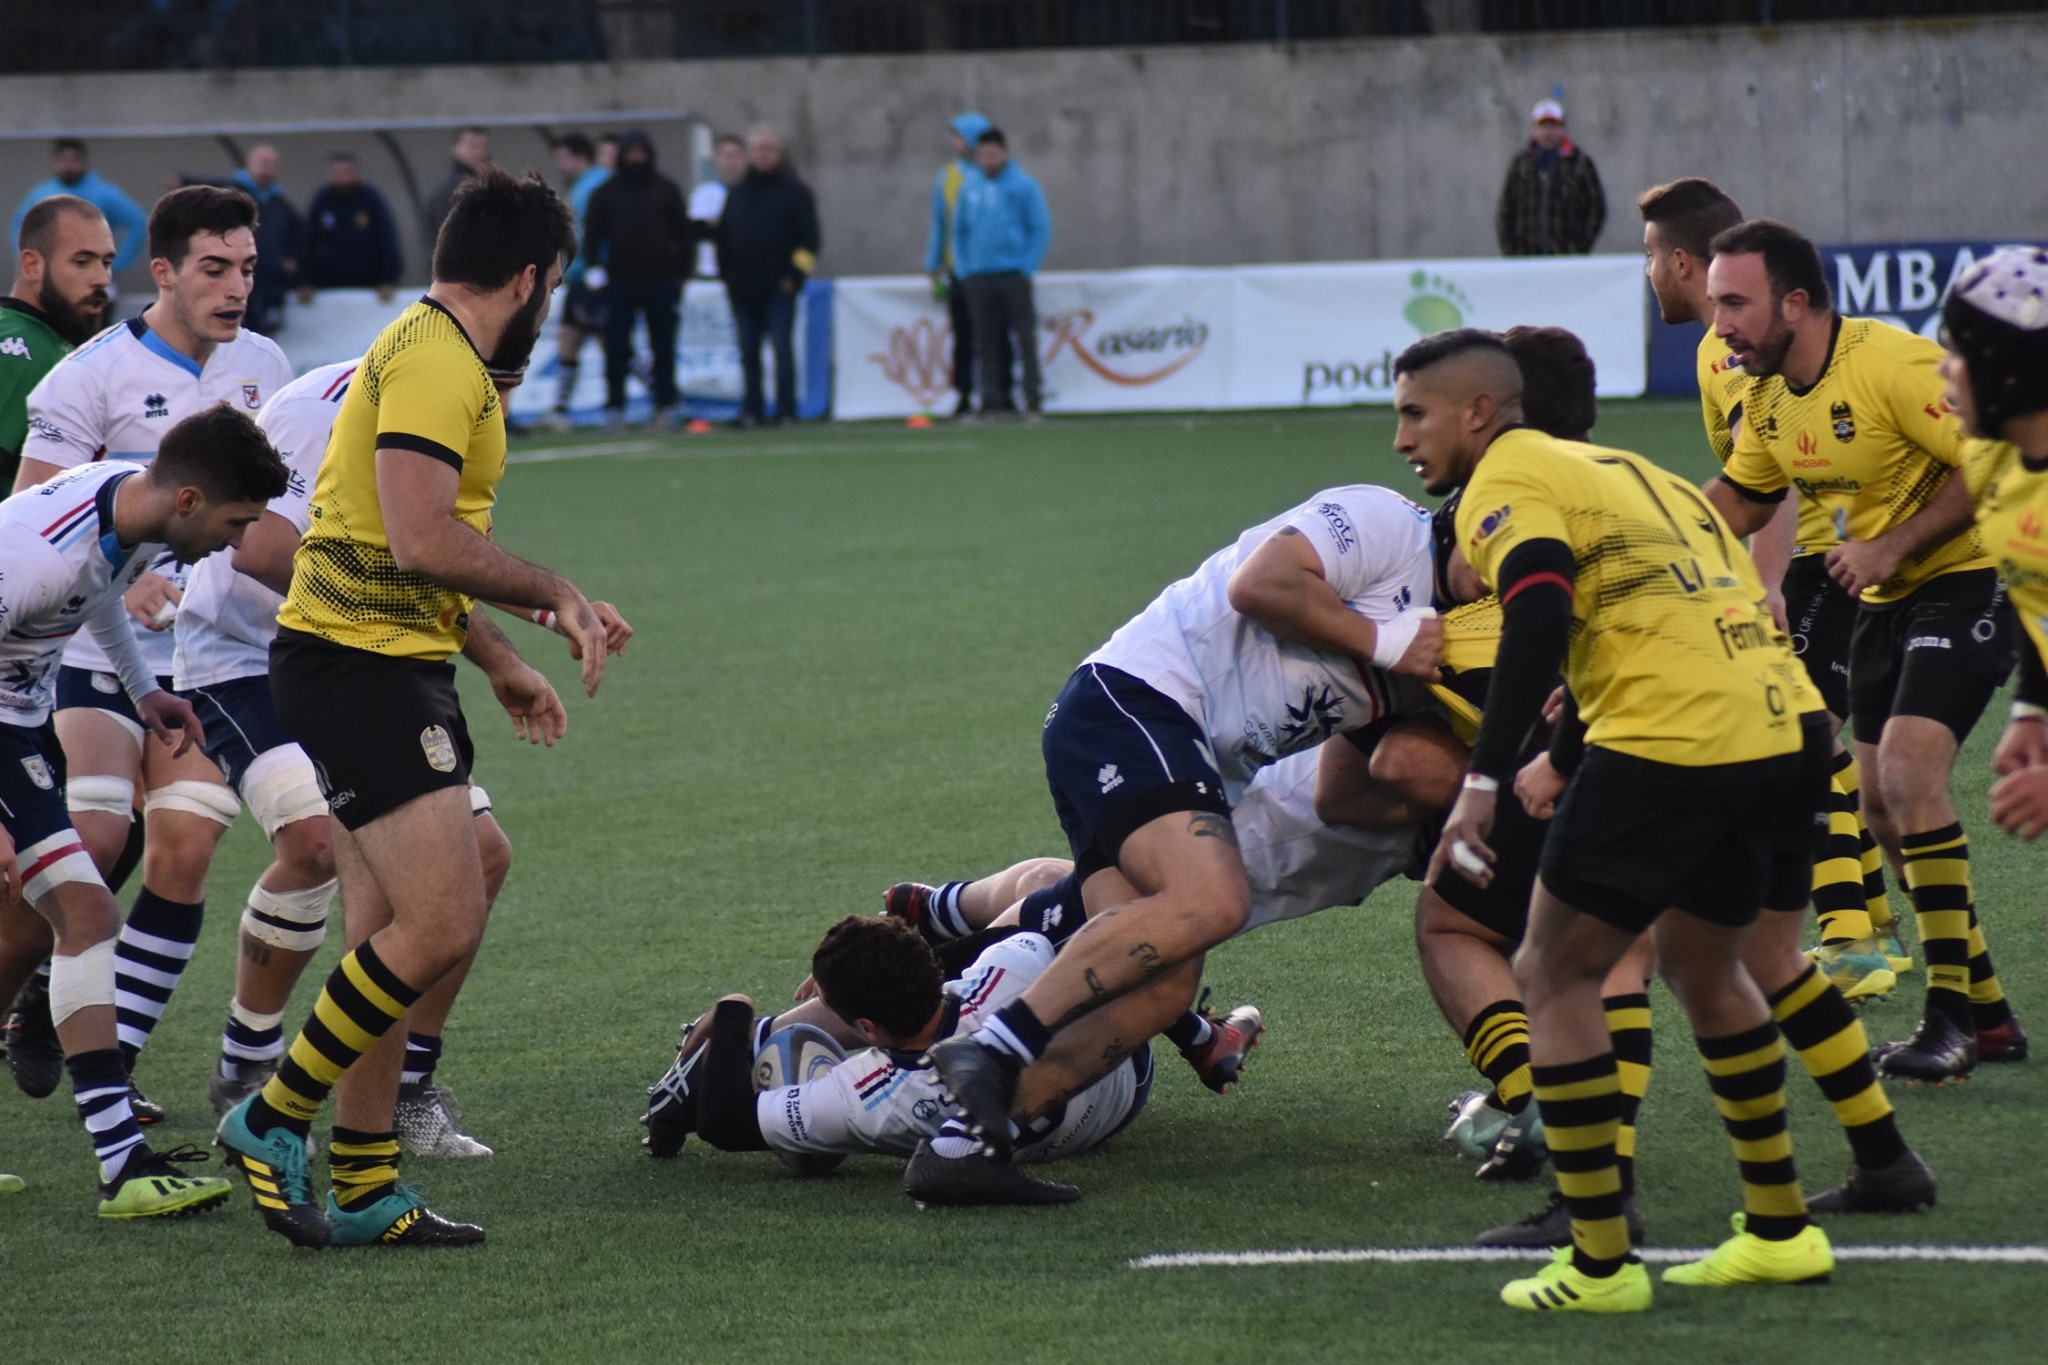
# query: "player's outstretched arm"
{"type": "Point", "coordinates": [416, 493]}
{"type": "Point", "coordinates": [1281, 586]}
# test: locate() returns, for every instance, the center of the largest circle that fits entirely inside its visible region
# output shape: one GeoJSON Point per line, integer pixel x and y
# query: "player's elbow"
{"type": "Point", "coordinates": [1256, 592]}
{"type": "Point", "coordinates": [414, 548]}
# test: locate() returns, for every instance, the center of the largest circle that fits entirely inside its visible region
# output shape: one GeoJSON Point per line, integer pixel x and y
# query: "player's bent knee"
{"type": "Point", "coordinates": [295, 921]}
{"type": "Point", "coordinates": [81, 980]}
{"type": "Point", "coordinates": [208, 800]}
{"type": "Point", "coordinates": [100, 795]}
{"type": "Point", "coordinates": [305, 849]}
{"type": "Point", "coordinates": [281, 790]}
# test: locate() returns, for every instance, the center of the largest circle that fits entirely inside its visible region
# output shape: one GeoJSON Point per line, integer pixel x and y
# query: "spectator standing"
{"type": "Point", "coordinates": [471, 153]}
{"type": "Point", "coordinates": [62, 267]}
{"type": "Point", "coordinates": [938, 265]}
{"type": "Point", "coordinates": [582, 306]}
{"type": "Point", "coordinates": [707, 201]}
{"type": "Point", "coordinates": [767, 247]}
{"type": "Point", "coordinates": [1001, 230]}
{"type": "Point", "coordinates": [280, 240]}
{"type": "Point", "coordinates": [1552, 204]}
{"type": "Point", "coordinates": [636, 249]}
{"type": "Point", "coordinates": [351, 237]}
{"type": "Point", "coordinates": [71, 174]}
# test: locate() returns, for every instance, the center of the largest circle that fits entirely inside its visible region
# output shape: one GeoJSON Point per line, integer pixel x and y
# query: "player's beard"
{"type": "Point", "coordinates": [65, 318]}
{"type": "Point", "coordinates": [521, 335]}
{"type": "Point", "coordinates": [1771, 349]}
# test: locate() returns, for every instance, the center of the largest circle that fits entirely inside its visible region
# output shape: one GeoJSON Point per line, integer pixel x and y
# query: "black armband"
{"type": "Point", "coordinates": [1755, 494]}
{"type": "Point", "coordinates": [1535, 586]}
{"type": "Point", "coordinates": [1568, 739]}
{"type": "Point", "coordinates": [725, 1102]}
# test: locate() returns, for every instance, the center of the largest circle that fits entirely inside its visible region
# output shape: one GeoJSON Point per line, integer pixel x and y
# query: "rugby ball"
{"type": "Point", "coordinates": [794, 1056]}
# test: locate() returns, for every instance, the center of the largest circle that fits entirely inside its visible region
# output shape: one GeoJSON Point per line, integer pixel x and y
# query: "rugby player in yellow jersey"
{"type": "Point", "coordinates": [383, 590]}
{"type": "Point", "coordinates": [1859, 949]}
{"type": "Point", "coordinates": [1695, 761]}
{"type": "Point", "coordinates": [1849, 413]}
{"type": "Point", "coordinates": [1996, 328]}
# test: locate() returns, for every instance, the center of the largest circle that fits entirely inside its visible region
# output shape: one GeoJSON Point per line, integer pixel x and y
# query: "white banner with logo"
{"type": "Point", "coordinates": [1238, 337]}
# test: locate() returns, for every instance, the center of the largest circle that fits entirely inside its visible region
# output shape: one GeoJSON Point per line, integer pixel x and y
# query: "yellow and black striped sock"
{"type": "Point", "coordinates": [1838, 896]}
{"type": "Point", "coordinates": [1876, 900]}
{"type": "Point", "coordinates": [1628, 1023]}
{"type": "Point", "coordinates": [1822, 1028]}
{"type": "Point", "coordinates": [363, 1166]}
{"type": "Point", "coordinates": [1746, 1072]}
{"type": "Point", "coordinates": [361, 1000]}
{"type": "Point", "coordinates": [1988, 1008]}
{"type": "Point", "coordinates": [1497, 1041]}
{"type": "Point", "coordinates": [1938, 879]}
{"type": "Point", "coordinates": [1581, 1107]}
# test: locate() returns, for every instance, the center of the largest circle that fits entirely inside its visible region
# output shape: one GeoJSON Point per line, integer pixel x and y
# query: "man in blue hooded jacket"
{"type": "Point", "coordinates": [1001, 229]}
{"type": "Point", "coordinates": [71, 175]}
{"type": "Point", "coordinates": [939, 266]}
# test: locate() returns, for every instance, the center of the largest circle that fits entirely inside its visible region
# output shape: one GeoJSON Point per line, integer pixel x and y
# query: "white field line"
{"type": "Point", "coordinates": [653, 449]}
{"type": "Point", "coordinates": [1181, 1260]}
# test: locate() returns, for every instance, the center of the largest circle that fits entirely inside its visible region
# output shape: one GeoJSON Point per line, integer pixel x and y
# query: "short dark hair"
{"type": "Point", "coordinates": [1689, 213]}
{"type": "Point", "coordinates": [995, 135]}
{"type": "Point", "coordinates": [39, 224]}
{"type": "Point", "coordinates": [184, 213]}
{"type": "Point", "coordinates": [575, 144]}
{"type": "Point", "coordinates": [497, 226]}
{"type": "Point", "coordinates": [871, 967]}
{"type": "Point", "coordinates": [223, 453]}
{"type": "Point", "coordinates": [1441, 346]}
{"type": "Point", "coordinates": [1791, 261]}
{"type": "Point", "coordinates": [725, 140]}
{"type": "Point", "coordinates": [67, 144]}
{"type": "Point", "coordinates": [349, 157]}
{"type": "Point", "coordinates": [1557, 381]}
{"type": "Point", "coordinates": [466, 129]}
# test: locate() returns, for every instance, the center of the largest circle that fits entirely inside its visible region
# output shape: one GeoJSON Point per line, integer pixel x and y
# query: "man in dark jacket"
{"type": "Point", "coordinates": [351, 238]}
{"type": "Point", "coordinates": [468, 155]}
{"type": "Point", "coordinates": [1552, 204]}
{"type": "Point", "coordinates": [280, 240]}
{"type": "Point", "coordinates": [767, 246]}
{"type": "Point", "coordinates": [636, 240]}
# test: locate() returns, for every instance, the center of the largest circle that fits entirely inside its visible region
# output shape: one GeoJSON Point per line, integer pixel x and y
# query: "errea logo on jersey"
{"type": "Point", "coordinates": [17, 347]}
{"type": "Point", "coordinates": [155, 405]}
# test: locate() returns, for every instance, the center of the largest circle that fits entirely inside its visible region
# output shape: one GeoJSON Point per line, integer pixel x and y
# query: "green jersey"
{"type": "Point", "coordinates": [29, 349]}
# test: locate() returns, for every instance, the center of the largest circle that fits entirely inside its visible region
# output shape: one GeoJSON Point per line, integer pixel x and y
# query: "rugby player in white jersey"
{"type": "Point", "coordinates": [113, 398]}
{"type": "Point", "coordinates": [1272, 645]}
{"type": "Point", "coordinates": [69, 550]}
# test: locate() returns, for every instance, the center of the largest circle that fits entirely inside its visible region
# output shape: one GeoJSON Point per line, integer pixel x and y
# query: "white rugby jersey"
{"type": "Point", "coordinates": [1296, 864]}
{"type": "Point", "coordinates": [62, 569]}
{"type": "Point", "coordinates": [882, 1102]}
{"type": "Point", "coordinates": [114, 398]}
{"type": "Point", "coordinates": [229, 619]}
{"type": "Point", "coordinates": [1258, 698]}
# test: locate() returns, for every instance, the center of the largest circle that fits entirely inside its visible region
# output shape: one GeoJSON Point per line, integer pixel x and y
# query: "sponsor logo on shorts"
{"type": "Point", "coordinates": [926, 1111]}
{"type": "Point", "coordinates": [38, 770]}
{"type": "Point", "coordinates": [439, 748]}
{"type": "Point", "coordinates": [341, 798]}
{"type": "Point", "coordinates": [1109, 778]}
{"type": "Point", "coordinates": [793, 1113]}
{"type": "Point", "coordinates": [1054, 915]}
{"type": "Point", "coordinates": [1982, 629]}
{"type": "Point", "coordinates": [1929, 642]}
{"type": "Point", "coordinates": [106, 682]}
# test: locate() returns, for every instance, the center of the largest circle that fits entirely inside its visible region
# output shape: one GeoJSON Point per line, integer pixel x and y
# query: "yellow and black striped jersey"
{"type": "Point", "coordinates": [1721, 380]}
{"type": "Point", "coordinates": [1673, 657]}
{"type": "Point", "coordinates": [1863, 449]}
{"type": "Point", "coordinates": [422, 387]}
{"type": "Point", "coordinates": [1471, 640]}
{"type": "Point", "coordinates": [2012, 516]}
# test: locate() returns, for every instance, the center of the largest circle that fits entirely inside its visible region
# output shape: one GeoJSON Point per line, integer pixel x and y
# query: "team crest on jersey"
{"type": "Point", "coordinates": [1492, 522]}
{"type": "Point", "coordinates": [38, 770]}
{"type": "Point", "coordinates": [252, 397]}
{"type": "Point", "coordinates": [439, 748]}
{"type": "Point", "coordinates": [1845, 422]}
{"type": "Point", "coordinates": [155, 405]}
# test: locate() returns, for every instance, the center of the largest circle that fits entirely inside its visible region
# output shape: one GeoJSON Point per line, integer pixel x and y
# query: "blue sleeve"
{"type": "Point", "coordinates": [130, 225]}
{"type": "Point", "coordinates": [935, 240]}
{"type": "Point", "coordinates": [1038, 221]}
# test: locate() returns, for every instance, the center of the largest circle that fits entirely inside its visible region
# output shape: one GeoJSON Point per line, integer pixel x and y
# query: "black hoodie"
{"type": "Point", "coordinates": [637, 226]}
{"type": "Point", "coordinates": [767, 235]}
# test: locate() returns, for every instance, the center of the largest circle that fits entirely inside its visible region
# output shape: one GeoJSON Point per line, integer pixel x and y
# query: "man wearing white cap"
{"type": "Point", "coordinates": [1552, 204]}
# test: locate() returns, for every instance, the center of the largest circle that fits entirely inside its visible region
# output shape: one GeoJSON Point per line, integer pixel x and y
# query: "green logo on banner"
{"type": "Point", "coordinates": [1438, 305]}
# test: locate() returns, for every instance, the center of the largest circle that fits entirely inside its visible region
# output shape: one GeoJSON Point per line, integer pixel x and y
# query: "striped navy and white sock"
{"type": "Point", "coordinates": [422, 1055]}
{"type": "Point", "coordinates": [1016, 1032]}
{"type": "Point", "coordinates": [99, 1081]}
{"type": "Point", "coordinates": [156, 943]}
{"type": "Point", "coordinates": [250, 1039]}
{"type": "Point", "coordinates": [942, 912]}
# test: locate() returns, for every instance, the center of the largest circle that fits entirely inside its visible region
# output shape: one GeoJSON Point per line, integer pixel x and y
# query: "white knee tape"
{"type": "Point", "coordinates": [210, 800]}
{"type": "Point", "coordinates": [107, 795]}
{"type": "Point", "coordinates": [81, 981]}
{"type": "Point", "coordinates": [49, 863]}
{"type": "Point", "coordinates": [479, 800]}
{"type": "Point", "coordinates": [281, 789]}
{"type": "Point", "coordinates": [295, 921]}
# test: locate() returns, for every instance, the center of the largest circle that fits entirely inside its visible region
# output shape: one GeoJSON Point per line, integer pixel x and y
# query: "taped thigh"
{"type": "Point", "coordinates": [209, 800]}
{"type": "Point", "coordinates": [51, 862]}
{"type": "Point", "coordinates": [282, 789]}
{"type": "Point", "coordinates": [102, 794]}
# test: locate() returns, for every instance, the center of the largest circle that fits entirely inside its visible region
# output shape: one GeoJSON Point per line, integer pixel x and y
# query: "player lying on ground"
{"type": "Point", "coordinates": [880, 988]}
{"type": "Point", "coordinates": [69, 549]}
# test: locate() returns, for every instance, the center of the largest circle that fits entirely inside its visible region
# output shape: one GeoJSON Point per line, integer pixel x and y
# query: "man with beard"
{"type": "Point", "coordinates": [1850, 414]}
{"type": "Point", "coordinates": [637, 249]}
{"type": "Point", "coordinates": [65, 262]}
{"type": "Point", "coordinates": [767, 240]}
{"type": "Point", "coordinates": [383, 591]}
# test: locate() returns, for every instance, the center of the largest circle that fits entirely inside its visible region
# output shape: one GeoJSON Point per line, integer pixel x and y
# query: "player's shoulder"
{"type": "Point", "coordinates": [254, 347]}
{"type": "Point", "coordinates": [1345, 504]}
{"type": "Point", "coordinates": [1873, 348]}
{"type": "Point", "coordinates": [107, 350]}
{"type": "Point", "coordinates": [324, 384]}
{"type": "Point", "coordinates": [1715, 360]}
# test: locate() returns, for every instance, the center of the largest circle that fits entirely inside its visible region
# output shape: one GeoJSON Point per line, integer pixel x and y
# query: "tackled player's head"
{"type": "Point", "coordinates": [215, 472]}
{"type": "Point", "coordinates": [65, 263]}
{"type": "Point", "coordinates": [1680, 221]}
{"type": "Point", "coordinates": [879, 976]}
{"type": "Point", "coordinates": [1995, 326]}
{"type": "Point", "coordinates": [202, 255]}
{"type": "Point", "coordinates": [1453, 392]}
{"type": "Point", "coordinates": [507, 237]}
{"type": "Point", "coordinates": [1766, 284]}
{"type": "Point", "coordinates": [1557, 381]}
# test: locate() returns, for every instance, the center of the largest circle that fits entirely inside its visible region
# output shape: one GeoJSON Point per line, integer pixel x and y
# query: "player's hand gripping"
{"type": "Point", "coordinates": [585, 630]}
{"type": "Point", "coordinates": [2019, 803]}
{"type": "Point", "coordinates": [148, 597]}
{"type": "Point", "coordinates": [1539, 785]}
{"type": "Point", "coordinates": [1463, 843]}
{"type": "Point", "coordinates": [538, 716]}
{"type": "Point", "coordinates": [1860, 564]}
{"type": "Point", "coordinates": [616, 630]}
{"type": "Point", "coordinates": [171, 719]}
{"type": "Point", "coordinates": [1424, 656]}
{"type": "Point", "coordinates": [2023, 745]}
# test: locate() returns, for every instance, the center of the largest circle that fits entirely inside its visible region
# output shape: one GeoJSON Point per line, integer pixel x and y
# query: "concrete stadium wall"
{"type": "Point", "coordinates": [1226, 154]}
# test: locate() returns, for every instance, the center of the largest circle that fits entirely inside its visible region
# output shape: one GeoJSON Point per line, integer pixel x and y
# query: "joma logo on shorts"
{"type": "Point", "coordinates": [1929, 642]}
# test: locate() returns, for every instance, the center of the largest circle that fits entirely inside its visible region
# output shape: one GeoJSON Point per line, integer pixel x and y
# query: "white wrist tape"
{"type": "Point", "coordinates": [1392, 638]}
{"type": "Point", "coordinates": [1480, 782]}
{"type": "Point", "coordinates": [81, 981]}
